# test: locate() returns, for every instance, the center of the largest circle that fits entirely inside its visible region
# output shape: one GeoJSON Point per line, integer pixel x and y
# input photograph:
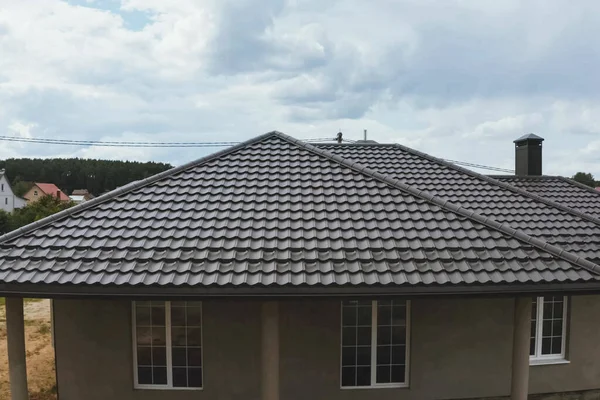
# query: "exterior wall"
{"type": "Point", "coordinates": [8, 201]}
{"type": "Point", "coordinates": [460, 349]}
{"type": "Point", "coordinates": [95, 361]}
{"type": "Point", "coordinates": [31, 194]}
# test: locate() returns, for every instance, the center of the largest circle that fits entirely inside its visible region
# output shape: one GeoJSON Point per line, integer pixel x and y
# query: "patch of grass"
{"type": "Point", "coordinates": [32, 300]}
{"type": "Point", "coordinates": [2, 301]}
{"type": "Point", "coordinates": [44, 329]}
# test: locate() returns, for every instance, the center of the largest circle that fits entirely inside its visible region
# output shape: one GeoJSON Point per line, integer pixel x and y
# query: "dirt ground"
{"type": "Point", "coordinates": [40, 354]}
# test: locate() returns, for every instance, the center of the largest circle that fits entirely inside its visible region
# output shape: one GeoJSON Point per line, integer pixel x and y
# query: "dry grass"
{"type": "Point", "coordinates": [40, 354]}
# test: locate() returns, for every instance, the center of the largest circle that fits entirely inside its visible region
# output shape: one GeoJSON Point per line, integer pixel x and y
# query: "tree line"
{"type": "Point", "coordinates": [97, 176]}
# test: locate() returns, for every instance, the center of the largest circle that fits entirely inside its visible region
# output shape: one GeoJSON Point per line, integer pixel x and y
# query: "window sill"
{"type": "Point", "coordinates": [151, 387]}
{"type": "Point", "coordinates": [547, 361]}
{"type": "Point", "coordinates": [383, 386]}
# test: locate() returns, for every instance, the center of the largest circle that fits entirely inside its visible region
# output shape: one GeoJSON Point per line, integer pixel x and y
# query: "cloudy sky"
{"type": "Point", "coordinates": [459, 79]}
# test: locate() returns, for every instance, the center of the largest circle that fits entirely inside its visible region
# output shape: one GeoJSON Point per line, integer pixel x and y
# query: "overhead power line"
{"type": "Point", "coordinates": [480, 166]}
{"type": "Point", "coordinates": [100, 143]}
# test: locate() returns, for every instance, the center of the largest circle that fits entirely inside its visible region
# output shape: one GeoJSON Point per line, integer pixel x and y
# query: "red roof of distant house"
{"type": "Point", "coordinates": [51, 188]}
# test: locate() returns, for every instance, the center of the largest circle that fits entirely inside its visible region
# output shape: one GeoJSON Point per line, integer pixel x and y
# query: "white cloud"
{"type": "Point", "coordinates": [460, 79]}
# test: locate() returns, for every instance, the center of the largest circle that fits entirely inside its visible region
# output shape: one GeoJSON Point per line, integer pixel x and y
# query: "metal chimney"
{"type": "Point", "coordinates": [528, 155]}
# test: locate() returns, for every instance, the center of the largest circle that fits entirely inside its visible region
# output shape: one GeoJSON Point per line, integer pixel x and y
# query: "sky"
{"type": "Point", "coordinates": [459, 79]}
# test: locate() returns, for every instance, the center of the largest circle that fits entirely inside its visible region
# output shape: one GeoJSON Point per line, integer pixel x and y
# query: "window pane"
{"type": "Point", "coordinates": [384, 335]}
{"type": "Point", "coordinates": [556, 345]}
{"type": "Point", "coordinates": [384, 355]}
{"type": "Point", "coordinates": [144, 356]}
{"type": "Point", "coordinates": [398, 373]}
{"type": "Point", "coordinates": [159, 375]}
{"type": "Point", "coordinates": [194, 337]}
{"type": "Point", "coordinates": [349, 315]}
{"type": "Point", "coordinates": [363, 336]}
{"type": "Point", "coordinates": [194, 356]}
{"type": "Point", "coordinates": [391, 342]}
{"type": "Point", "coordinates": [398, 355]}
{"type": "Point", "coordinates": [178, 336]}
{"type": "Point", "coordinates": [142, 316]}
{"type": "Point", "coordinates": [145, 375]}
{"type": "Point", "coordinates": [383, 374]}
{"type": "Point", "coordinates": [384, 315]}
{"type": "Point", "coordinates": [194, 316]}
{"type": "Point", "coordinates": [349, 336]}
{"type": "Point", "coordinates": [356, 343]}
{"type": "Point", "coordinates": [365, 315]}
{"type": "Point", "coordinates": [186, 339]}
{"type": "Point", "coordinates": [552, 325]}
{"type": "Point", "coordinates": [144, 336]}
{"type": "Point", "coordinates": [180, 377]}
{"type": "Point", "coordinates": [348, 376]}
{"type": "Point", "coordinates": [349, 355]}
{"type": "Point", "coordinates": [177, 316]}
{"type": "Point", "coordinates": [363, 376]}
{"type": "Point", "coordinates": [179, 356]}
{"type": "Point", "coordinates": [159, 356]}
{"type": "Point", "coordinates": [195, 377]}
{"type": "Point", "coordinates": [158, 316]}
{"type": "Point", "coordinates": [159, 336]}
{"type": "Point", "coordinates": [363, 355]}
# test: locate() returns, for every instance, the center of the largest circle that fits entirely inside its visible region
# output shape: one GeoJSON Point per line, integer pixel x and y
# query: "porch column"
{"type": "Point", "coordinates": [15, 330]}
{"type": "Point", "coordinates": [520, 354]}
{"type": "Point", "coordinates": [270, 351]}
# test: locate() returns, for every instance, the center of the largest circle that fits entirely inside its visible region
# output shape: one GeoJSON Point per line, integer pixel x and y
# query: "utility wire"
{"type": "Point", "coordinates": [69, 142]}
{"type": "Point", "coordinates": [467, 164]}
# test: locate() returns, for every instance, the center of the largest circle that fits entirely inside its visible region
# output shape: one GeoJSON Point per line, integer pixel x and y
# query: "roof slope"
{"type": "Point", "coordinates": [275, 211]}
{"type": "Point", "coordinates": [559, 189]}
{"type": "Point", "coordinates": [52, 189]}
{"type": "Point", "coordinates": [542, 218]}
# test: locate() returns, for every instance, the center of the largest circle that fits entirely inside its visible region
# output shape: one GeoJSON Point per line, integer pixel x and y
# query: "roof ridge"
{"type": "Point", "coordinates": [497, 182]}
{"type": "Point", "coordinates": [125, 189]}
{"type": "Point", "coordinates": [445, 204]}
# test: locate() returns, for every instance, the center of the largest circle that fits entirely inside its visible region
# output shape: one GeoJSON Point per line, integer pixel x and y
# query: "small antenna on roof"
{"type": "Point", "coordinates": [365, 134]}
{"type": "Point", "coordinates": [339, 137]}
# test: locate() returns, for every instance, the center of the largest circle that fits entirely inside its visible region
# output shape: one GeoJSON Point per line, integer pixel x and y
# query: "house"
{"type": "Point", "coordinates": [280, 270]}
{"type": "Point", "coordinates": [39, 190]}
{"type": "Point", "coordinates": [8, 200]}
{"type": "Point", "coordinates": [80, 195]}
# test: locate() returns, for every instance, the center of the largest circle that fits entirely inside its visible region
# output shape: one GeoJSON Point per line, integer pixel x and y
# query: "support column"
{"type": "Point", "coordinates": [270, 351]}
{"type": "Point", "coordinates": [15, 329]}
{"type": "Point", "coordinates": [520, 356]}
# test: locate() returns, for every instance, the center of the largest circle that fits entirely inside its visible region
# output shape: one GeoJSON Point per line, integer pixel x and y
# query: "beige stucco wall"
{"type": "Point", "coordinates": [460, 348]}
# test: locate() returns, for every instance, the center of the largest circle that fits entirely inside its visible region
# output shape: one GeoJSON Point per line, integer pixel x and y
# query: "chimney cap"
{"type": "Point", "coordinates": [529, 136]}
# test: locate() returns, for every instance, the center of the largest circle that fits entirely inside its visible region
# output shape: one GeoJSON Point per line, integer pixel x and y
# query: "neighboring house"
{"type": "Point", "coordinates": [80, 195]}
{"type": "Point", "coordinates": [8, 200]}
{"type": "Point", "coordinates": [276, 269]}
{"type": "Point", "coordinates": [39, 190]}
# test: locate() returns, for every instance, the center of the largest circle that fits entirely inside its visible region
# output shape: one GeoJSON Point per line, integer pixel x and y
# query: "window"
{"type": "Point", "coordinates": [6, 200]}
{"type": "Point", "coordinates": [2, 187]}
{"type": "Point", "coordinates": [375, 340]}
{"type": "Point", "coordinates": [35, 192]}
{"type": "Point", "coordinates": [167, 345]}
{"type": "Point", "coordinates": [548, 328]}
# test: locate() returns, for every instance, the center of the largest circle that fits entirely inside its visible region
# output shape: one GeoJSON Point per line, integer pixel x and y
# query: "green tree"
{"type": "Point", "coordinates": [586, 178]}
{"type": "Point", "coordinates": [35, 211]}
{"type": "Point", "coordinates": [4, 222]}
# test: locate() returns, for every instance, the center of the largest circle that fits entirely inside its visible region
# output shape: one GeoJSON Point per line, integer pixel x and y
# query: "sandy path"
{"type": "Point", "coordinates": [40, 354]}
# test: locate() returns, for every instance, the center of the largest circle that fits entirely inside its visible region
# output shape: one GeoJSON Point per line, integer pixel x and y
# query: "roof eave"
{"type": "Point", "coordinates": [122, 291]}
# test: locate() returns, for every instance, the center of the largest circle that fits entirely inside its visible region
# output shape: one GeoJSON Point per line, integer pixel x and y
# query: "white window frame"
{"type": "Point", "coordinates": [374, 384]}
{"type": "Point", "coordinates": [538, 358]}
{"type": "Point", "coordinates": [169, 385]}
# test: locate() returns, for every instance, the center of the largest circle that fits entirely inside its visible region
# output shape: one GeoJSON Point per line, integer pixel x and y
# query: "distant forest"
{"type": "Point", "coordinates": [97, 176]}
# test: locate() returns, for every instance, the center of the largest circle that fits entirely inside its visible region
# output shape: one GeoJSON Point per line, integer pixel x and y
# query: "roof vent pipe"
{"type": "Point", "coordinates": [528, 155]}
